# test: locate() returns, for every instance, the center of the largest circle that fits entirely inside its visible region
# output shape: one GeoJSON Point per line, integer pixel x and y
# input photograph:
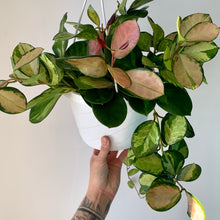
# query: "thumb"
{"type": "Point", "coordinates": [105, 147]}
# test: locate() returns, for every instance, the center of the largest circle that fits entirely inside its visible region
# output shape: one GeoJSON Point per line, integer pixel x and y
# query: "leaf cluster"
{"type": "Point", "coordinates": [119, 65]}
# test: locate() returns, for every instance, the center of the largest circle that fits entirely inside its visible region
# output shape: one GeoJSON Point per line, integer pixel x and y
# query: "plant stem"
{"type": "Point", "coordinates": [156, 115]}
{"type": "Point", "coordinates": [11, 81]}
{"type": "Point", "coordinates": [141, 197]}
{"type": "Point", "coordinates": [182, 188]}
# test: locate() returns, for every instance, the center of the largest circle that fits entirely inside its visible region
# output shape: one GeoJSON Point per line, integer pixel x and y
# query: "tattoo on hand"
{"type": "Point", "coordinates": [89, 211]}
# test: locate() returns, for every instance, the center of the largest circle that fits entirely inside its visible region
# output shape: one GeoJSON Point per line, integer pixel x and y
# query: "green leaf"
{"type": "Point", "coordinates": [131, 184]}
{"type": "Point", "coordinates": [28, 57]}
{"type": "Point", "coordinates": [43, 104]}
{"type": "Point", "coordinates": [47, 94]}
{"type": "Point", "coordinates": [172, 162]}
{"type": "Point", "coordinates": [132, 172]}
{"type": "Point", "coordinates": [131, 61]}
{"type": "Point", "coordinates": [88, 33]}
{"type": "Point", "coordinates": [145, 84]}
{"type": "Point", "coordinates": [146, 180]}
{"type": "Point", "coordinates": [189, 173]}
{"type": "Point", "coordinates": [129, 160]}
{"type": "Point", "coordinates": [120, 76]}
{"type": "Point", "coordinates": [191, 20]}
{"type": "Point", "coordinates": [173, 128]}
{"type": "Point", "coordinates": [52, 69]}
{"type": "Point", "coordinates": [92, 14]}
{"type": "Point", "coordinates": [175, 100]}
{"type": "Point", "coordinates": [169, 77]}
{"type": "Point", "coordinates": [163, 44]}
{"type": "Point", "coordinates": [181, 147]}
{"type": "Point", "coordinates": [21, 50]}
{"type": "Point", "coordinates": [180, 37]}
{"type": "Point", "coordinates": [189, 132]}
{"type": "Point", "coordinates": [12, 101]}
{"type": "Point", "coordinates": [145, 41]}
{"type": "Point", "coordinates": [59, 46]}
{"type": "Point", "coordinates": [97, 96]}
{"type": "Point", "coordinates": [167, 59]}
{"type": "Point", "coordinates": [64, 36]}
{"type": "Point", "coordinates": [86, 82]}
{"type": "Point", "coordinates": [202, 51]}
{"type": "Point", "coordinates": [90, 66]}
{"type": "Point", "coordinates": [145, 139]}
{"type": "Point", "coordinates": [195, 209]}
{"type": "Point", "coordinates": [141, 106]}
{"type": "Point", "coordinates": [150, 164]}
{"type": "Point", "coordinates": [162, 196]}
{"type": "Point", "coordinates": [122, 7]}
{"type": "Point", "coordinates": [126, 33]}
{"type": "Point", "coordinates": [148, 63]}
{"type": "Point", "coordinates": [79, 48]}
{"type": "Point", "coordinates": [138, 3]}
{"type": "Point", "coordinates": [158, 33]}
{"type": "Point", "coordinates": [111, 114]}
{"type": "Point", "coordinates": [187, 71]}
{"type": "Point", "coordinates": [205, 31]}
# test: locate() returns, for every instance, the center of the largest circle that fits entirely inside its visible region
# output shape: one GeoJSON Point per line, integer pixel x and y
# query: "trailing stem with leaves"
{"type": "Point", "coordinates": [116, 64]}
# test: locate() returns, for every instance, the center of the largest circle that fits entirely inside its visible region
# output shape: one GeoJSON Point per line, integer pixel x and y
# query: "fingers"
{"type": "Point", "coordinates": [105, 147]}
{"type": "Point", "coordinates": [123, 155]}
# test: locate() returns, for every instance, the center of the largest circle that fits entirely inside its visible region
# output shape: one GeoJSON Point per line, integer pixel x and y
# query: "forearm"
{"type": "Point", "coordinates": [93, 208]}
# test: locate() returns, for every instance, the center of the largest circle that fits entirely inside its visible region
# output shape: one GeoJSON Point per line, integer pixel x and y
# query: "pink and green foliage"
{"type": "Point", "coordinates": [119, 65]}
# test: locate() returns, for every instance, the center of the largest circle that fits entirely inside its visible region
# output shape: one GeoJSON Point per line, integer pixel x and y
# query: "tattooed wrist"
{"type": "Point", "coordinates": [90, 210]}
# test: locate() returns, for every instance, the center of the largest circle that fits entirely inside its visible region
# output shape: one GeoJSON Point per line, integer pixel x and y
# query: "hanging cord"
{"type": "Point", "coordinates": [104, 21]}
{"type": "Point", "coordinates": [80, 18]}
{"type": "Point", "coordinates": [103, 12]}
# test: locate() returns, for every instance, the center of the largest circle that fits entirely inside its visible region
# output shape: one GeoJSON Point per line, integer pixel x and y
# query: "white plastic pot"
{"type": "Point", "coordinates": [91, 130]}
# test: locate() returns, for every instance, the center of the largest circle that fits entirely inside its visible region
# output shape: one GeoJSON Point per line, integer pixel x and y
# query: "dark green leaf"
{"type": "Point", "coordinates": [189, 132]}
{"type": "Point", "coordinates": [111, 114]}
{"type": "Point", "coordinates": [141, 106]}
{"type": "Point", "coordinates": [145, 41]}
{"type": "Point", "coordinates": [163, 44]}
{"type": "Point", "coordinates": [158, 33]}
{"type": "Point", "coordinates": [189, 173]}
{"type": "Point", "coordinates": [175, 100]}
{"type": "Point", "coordinates": [131, 61]}
{"type": "Point", "coordinates": [138, 3]}
{"type": "Point", "coordinates": [88, 33]}
{"type": "Point", "coordinates": [173, 128]}
{"type": "Point", "coordinates": [150, 164]}
{"type": "Point", "coordinates": [97, 96]}
{"type": "Point", "coordinates": [12, 101]}
{"type": "Point", "coordinates": [172, 162]}
{"type": "Point", "coordinates": [181, 147]}
{"type": "Point", "coordinates": [79, 48]}
{"type": "Point", "coordinates": [145, 139]}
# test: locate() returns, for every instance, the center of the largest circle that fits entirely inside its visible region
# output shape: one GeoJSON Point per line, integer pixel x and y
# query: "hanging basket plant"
{"type": "Point", "coordinates": [111, 64]}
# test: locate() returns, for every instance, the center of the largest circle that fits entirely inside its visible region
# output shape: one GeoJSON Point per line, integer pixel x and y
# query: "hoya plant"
{"type": "Point", "coordinates": [109, 65]}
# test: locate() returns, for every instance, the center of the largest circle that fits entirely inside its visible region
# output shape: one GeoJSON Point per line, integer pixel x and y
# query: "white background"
{"type": "Point", "coordinates": [44, 168]}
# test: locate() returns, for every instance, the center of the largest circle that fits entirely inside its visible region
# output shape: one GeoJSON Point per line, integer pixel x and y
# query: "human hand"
{"type": "Point", "coordinates": [105, 171]}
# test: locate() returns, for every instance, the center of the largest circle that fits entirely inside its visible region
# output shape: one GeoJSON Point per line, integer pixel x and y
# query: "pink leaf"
{"type": "Point", "coordinates": [95, 46]}
{"type": "Point", "coordinates": [126, 33]}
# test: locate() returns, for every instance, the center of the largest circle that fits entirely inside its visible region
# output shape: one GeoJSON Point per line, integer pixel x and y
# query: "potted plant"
{"type": "Point", "coordinates": [116, 64]}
